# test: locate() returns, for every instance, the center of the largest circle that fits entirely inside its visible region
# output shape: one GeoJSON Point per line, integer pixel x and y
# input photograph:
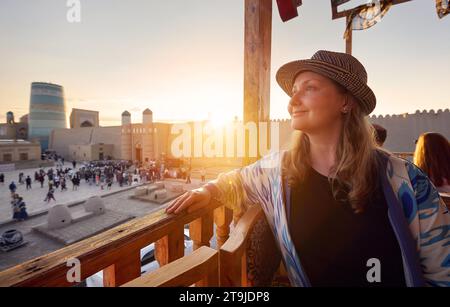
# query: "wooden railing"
{"type": "Point", "coordinates": [117, 251]}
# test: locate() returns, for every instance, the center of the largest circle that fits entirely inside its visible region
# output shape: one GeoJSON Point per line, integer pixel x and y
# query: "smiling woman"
{"type": "Point", "coordinates": [335, 201]}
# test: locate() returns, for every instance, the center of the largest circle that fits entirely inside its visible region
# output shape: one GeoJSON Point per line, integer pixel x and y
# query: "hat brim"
{"type": "Point", "coordinates": [288, 72]}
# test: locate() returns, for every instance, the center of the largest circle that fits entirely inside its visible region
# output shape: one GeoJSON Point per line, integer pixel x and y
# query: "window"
{"type": "Point", "coordinates": [7, 157]}
{"type": "Point", "coordinates": [23, 156]}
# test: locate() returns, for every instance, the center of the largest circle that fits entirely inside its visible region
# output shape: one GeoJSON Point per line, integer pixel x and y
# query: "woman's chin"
{"type": "Point", "coordinates": [297, 124]}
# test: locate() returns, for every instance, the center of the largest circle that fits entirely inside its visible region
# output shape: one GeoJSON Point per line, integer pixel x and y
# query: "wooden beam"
{"type": "Point", "coordinates": [126, 269]}
{"type": "Point", "coordinates": [201, 230]}
{"type": "Point", "coordinates": [202, 264]}
{"type": "Point", "coordinates": [257, 54]}
{"type": "Point", "coordinates": [232, 255]}
{"type": "Point", "coordinates": [170, 247]}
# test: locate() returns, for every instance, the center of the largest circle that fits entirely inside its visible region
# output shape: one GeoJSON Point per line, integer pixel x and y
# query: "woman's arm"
{"type": "Point", "coordinates": [236, 189]}
{"type": "Point", "coordinates": [249, 185]}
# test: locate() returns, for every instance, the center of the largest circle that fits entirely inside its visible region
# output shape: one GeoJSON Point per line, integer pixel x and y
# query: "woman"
{"type": "Point", "coordinates": [432, 155]}
{"type": "Point", "coordinates": [335, 201]}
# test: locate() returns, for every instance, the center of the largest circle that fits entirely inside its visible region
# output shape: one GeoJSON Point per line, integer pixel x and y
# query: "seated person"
{"type": "Point", "coordinates": [380, 134]}
{"type": "Point", "coordinates": [432, 155]}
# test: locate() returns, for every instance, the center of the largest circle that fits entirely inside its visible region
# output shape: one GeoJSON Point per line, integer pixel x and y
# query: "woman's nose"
{"type": "Point", "coordinates": [295, 101]}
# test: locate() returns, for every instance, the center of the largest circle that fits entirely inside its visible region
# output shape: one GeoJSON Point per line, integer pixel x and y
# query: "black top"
{"type": "Point", "coordinates": [334, 243]}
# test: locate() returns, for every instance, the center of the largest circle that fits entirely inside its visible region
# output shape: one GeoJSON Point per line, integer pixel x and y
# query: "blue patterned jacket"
{"type": "Point", "coordinates": [418, 215]}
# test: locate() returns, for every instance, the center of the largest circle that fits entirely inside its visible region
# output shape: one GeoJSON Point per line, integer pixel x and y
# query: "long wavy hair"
{"type": "Point", "coordinates": [432, 155]}
{"type": "Point", "coordinates": [354, 177]}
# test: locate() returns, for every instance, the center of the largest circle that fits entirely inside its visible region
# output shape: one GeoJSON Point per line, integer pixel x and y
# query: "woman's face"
{"type": "Point", "coordinates": [316, 103]}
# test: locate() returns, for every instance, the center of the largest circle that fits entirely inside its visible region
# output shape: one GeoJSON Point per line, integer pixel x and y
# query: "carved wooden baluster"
{"type": "Point", "coordinates": [222, 218]}
{"type": "Point", "coordinates": [171, 246]}
{"type": "Point", "coordinates": [126, 269]}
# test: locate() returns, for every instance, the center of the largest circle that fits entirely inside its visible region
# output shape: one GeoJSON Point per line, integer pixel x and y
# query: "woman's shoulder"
{"type": "Point", "coordinates": [272, 159]}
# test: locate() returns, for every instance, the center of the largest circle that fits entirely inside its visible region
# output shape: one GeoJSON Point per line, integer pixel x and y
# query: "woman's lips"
{"type": "Point", "coordinates": [298, 113]}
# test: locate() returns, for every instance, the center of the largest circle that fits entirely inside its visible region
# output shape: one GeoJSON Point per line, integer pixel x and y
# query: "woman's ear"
{"type": "Point", "coordinates": [348, 104]}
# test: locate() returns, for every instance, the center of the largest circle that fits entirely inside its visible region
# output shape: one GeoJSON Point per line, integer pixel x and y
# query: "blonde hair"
{"type": "Point", "coordinates": [354, 177]}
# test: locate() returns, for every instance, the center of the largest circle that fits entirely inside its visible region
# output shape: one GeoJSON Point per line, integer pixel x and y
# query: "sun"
{"type": "Point", "coordinates": [218, 120]}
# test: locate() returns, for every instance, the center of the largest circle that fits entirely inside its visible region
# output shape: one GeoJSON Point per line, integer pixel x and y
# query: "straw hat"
{"type": "Point", "coordinates": [340, 67]}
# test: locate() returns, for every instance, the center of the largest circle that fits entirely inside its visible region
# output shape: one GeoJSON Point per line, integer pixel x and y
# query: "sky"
{"type": "Point", "coordinates": [184, 59]}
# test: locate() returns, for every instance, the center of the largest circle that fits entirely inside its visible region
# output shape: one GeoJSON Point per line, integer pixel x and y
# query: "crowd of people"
{"type": "Point", "coordinates": [100, 173]}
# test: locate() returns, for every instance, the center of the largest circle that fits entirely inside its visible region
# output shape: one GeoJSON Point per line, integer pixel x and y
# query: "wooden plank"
{"type": "Point", "coordinates": [240, 233]}
{"type": "Point", "coordinates": [257, 59]}
{"type": "Point", "coordinates": [98, 252]}
{"type": "Point", "coordinates": [170, 247]}
{"type": "Point", "coordinates": [232, 255]}
{"type": "Point", "coordinates": [201, 230]}
{"type": "Point", "coordinates": [126, 269]}
{"type": "Point", "coordinates": [200, 264]}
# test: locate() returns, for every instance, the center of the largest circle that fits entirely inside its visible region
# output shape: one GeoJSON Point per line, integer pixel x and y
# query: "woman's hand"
{"type": "Point", "coordinates": [191, 200]}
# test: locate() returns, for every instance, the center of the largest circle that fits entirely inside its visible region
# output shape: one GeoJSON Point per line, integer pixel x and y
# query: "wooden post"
{"type": "Point", "coordinates": [257, 53]}
{"type": "Point", "coordinates": [170, 247]}
{"type": "Point", "coordinates": [127, 269]}
{"type": "Point", "coordinates": [348, 41]}
{"type": "Point", "coordinates": [222, 218]}
{"type": "Point", "coordinates": [201, 230]}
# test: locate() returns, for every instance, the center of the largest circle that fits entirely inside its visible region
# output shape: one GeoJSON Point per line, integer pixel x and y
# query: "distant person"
{"type": "Point", "coordinates": [109, 183]}
{"type": "Point", "coordinates": [41, 179]}
{"type": "Point", "coordinates": [28, 182]}
{"type": "Point", "coordinates": [74, 164]}
{"type": "Point", "coordinates": [2, 179]}
{"type": "Point", "coordinates": [63, 184]}
{"type": "Point", "coordinates": [12, 187]}
{"type": "Point", "coordinates": [203, 174]}
{"type": "Point", "coordinates": [380, 134]}
{"type": "Point", "coordinates": [50, 195]}
{"type": "Point", "coordinates": [20, 210]}
{"type": "Point", "coordinates": [21, 178]}
{"type": "Point", "coordinates": [188, 176]}
{"type": "Point", "coordinates": [75, 183]}
{"type": "Point", "coordinates": [432, 155]}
